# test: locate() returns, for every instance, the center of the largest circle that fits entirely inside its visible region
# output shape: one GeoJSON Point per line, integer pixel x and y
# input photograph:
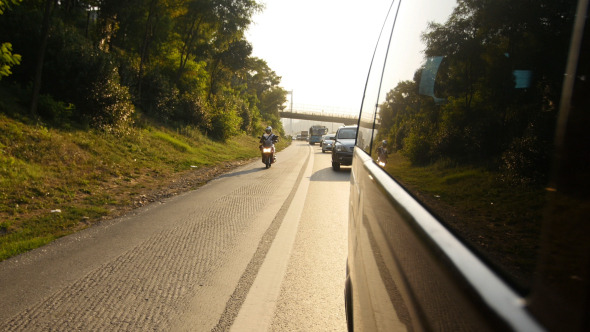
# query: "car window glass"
{"type": "Point", "coordinates": [371, 94]}
{"type": "Point", "coordinates": [468, 105]}
{"type": "Point", "coordinates": [347, 133]}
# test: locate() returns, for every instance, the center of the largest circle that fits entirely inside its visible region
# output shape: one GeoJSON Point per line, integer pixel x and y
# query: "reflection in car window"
{"type": "Point", "coordinates": [468, 107]}
{"type": "Point", "coordinates": [371, 95]}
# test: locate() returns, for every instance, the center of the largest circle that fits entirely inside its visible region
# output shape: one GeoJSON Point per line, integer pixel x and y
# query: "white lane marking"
{"type": "Point", "coordinates": [258, 309]}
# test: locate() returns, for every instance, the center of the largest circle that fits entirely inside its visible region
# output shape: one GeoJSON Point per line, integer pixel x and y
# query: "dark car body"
{"type": "Point", "coordinates": [343, 146]}
{"type": "Point", "coordinates": [480, 219]}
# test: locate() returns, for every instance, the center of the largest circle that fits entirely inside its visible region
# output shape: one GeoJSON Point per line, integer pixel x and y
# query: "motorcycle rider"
{"type": "Point", "coordinates": [268, 136]}
{"type": "Point", "coordinates": [382, 152]}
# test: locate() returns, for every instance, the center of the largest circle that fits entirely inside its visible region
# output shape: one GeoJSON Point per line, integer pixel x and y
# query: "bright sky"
{"type": "Point", "coordinates": [322, 49]}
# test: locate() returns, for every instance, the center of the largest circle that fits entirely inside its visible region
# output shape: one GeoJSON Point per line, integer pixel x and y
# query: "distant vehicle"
{"type": "Point", "coordinates": [299, 137]}
{"type": "Point", "coordinates": [326, 137]}
{"type": "Point", "coordinates": [331, 136]}
{"type": "Point", "coordinates": [480, 219]}
{"type": "Point", "coordinates": [316, 133]}
{"type": "Point", "coordinates": [343, 146]}
{"type": "Point", "coordinates": [304, 135]}
{"type": "Point", "coordinates": [328, 143]}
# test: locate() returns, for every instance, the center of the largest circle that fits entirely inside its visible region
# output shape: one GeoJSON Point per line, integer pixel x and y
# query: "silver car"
{"type": "Point", "coordinates": [327, 143]}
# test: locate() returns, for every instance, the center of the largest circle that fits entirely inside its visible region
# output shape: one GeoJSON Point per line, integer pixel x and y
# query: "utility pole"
{"type": "Point", "coordinates": [291, 120]}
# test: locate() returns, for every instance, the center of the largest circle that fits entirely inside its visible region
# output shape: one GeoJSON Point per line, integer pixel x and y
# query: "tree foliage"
{"type": "Point", "coordinates": [7, 58]}
{"type": "Point", "coordinates": [479, 114]}
{"type": "Point", "coordinates": [184, 62]}
{"type": "Point", "coordinates": [7, 4]}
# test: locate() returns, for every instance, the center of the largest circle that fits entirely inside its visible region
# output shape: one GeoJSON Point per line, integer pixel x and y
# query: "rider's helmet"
{"type": "Point", "coordinates": [268, 129]}
{"type": "Point", "coordinates": [384, 143]}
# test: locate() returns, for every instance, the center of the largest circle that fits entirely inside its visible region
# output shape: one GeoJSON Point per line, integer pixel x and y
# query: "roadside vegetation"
{"type": "Point", "coordinates": [109, 105]}
{"type": "Point", "coordinates": [499, 219]}
{"type": "Point", "coordinates": [473, 132]}
{"type": "Point", "coordinates": [54, 182]}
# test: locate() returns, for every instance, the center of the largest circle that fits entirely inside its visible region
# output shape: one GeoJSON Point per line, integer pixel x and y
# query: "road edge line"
{"type": "Point", "coordinates": [257, 311]}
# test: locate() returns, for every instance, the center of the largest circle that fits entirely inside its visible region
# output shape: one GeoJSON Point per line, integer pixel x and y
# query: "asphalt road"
{"type": "Point", "coordinates": [256, 249]}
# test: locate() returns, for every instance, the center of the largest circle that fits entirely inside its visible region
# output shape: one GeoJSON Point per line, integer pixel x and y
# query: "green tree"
{"type": "Point", "coordinates": [485, 116]}
{"type": "Point", "coordinates": [395, 111]}
{"type": "Point", "coordinates": [184, 62]}
{"type": "Point", "coordinates": [7, 58]}
{"type": "Point", "coordinates": [6, 4]}
{"type": "Point", "coordinates": [228, 63]}
{"type": "Point", "coordinates": [263, 83]}
{"type": "Point", "coordinates": [48, 5]}
{"type": "Point", "coordinates": [272, 102]}
{"type": "Point", "coordinates": [194, 28]}
{"type": "Point", "coordinates": [109, 105]}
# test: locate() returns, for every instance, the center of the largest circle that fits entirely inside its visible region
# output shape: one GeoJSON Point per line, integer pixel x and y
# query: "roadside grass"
{"type": "Point", "coordinates": [500, 220]}
{"type": "Point", "coordinates": [54, 182]}
{"type": "Point", "coordinates": [174, 142]}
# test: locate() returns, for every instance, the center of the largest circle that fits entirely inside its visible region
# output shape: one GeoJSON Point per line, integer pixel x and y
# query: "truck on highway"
{"type": "Point", "coordinates": [316, 133]}
{"type": "Point", "coordinates": [304, 135]}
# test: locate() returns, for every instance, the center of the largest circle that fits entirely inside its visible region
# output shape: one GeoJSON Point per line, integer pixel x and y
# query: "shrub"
{"type": "Point", "coordinates": [526, 161]}
{"type": "Point", "coordinates": [417, 149]}
{"type": "Point", "coordinates": [225, 121]}
{"type": "Point", "coordinates": [191, 110]}
{"type": "Point", "coordinates": [110, 106]}
{"type": "Point", "coordinates": [77, 73]}
{"type": "Point", "coordinates": [55, 112]}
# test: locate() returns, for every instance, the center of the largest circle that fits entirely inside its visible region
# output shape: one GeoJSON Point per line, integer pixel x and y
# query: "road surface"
{"type": "Point", "coordinates": [253, 250]}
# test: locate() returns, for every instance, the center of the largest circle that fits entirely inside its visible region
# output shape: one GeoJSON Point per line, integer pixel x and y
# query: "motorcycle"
{"type": "Point", "coordinates": [268, 150]}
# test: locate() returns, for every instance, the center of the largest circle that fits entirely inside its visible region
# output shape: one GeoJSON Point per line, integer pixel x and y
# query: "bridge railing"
{"type": "Point", "coordinates": [321, 108]}
{"type": "Point", "coordinates": [347, 119]}
{"type": "Point", "coordinates": [320, 114]}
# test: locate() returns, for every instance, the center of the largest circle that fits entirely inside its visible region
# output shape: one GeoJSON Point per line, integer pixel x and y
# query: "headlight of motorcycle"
{"type": "Point", "coordinates": [338, 147]}
{"type": "Point", "coordinates": [267, 150]}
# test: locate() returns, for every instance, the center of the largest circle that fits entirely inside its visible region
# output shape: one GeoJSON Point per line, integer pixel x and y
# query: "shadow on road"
{"type": "Point", "coordinates": [328, 174]}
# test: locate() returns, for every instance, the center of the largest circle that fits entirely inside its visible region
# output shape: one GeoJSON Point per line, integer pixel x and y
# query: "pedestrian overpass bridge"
{"type": "Point", "coordinates": [319, 116]}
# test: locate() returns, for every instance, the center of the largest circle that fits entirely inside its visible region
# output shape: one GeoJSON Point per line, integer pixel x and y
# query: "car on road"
{"type": "Point", "coordinates": [343, 146]}
{"type": "Point", "coordinates": [327, 136]}
{"type": "Point", "coordinates": [479, 219]}
{"type": "Point", "coordinates": [327, 143]}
